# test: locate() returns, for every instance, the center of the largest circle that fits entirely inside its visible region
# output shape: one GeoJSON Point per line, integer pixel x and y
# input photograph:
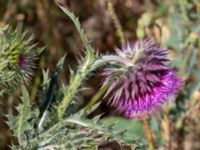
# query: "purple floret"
{"type": "Point", "coordinates": [25, 65]}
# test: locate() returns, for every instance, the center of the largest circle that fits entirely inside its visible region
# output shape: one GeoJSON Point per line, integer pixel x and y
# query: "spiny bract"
{"type": "Point", "coordinates": [17, 57]}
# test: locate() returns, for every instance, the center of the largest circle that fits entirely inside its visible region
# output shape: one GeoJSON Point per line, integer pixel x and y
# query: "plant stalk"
{"type": "Point", "coordinates": [148, 133]}
{"type": "Point", "coordinates": [116, 22]}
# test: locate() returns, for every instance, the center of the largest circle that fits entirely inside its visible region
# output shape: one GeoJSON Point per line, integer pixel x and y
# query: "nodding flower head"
{"type": "Point", "coordinates": [142, 81]}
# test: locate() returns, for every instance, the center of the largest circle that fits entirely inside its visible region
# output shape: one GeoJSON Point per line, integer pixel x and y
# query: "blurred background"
{"type": "Point", "coordinates": [174, 24]}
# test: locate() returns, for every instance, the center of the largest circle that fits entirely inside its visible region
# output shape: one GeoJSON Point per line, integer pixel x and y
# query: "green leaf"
{"type": "Point", "coordinates": [78, 26]}
{"type": "Point", "coordinates": [84, 69]}
{"type": "Point", "coordinates": [134, 128]}
{"type": "Point", "coordinates": [24, 114]}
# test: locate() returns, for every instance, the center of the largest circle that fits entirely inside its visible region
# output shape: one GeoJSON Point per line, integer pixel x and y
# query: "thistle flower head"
{"type": "Point", "coordinates": [19, 54]}
{"type": "Point", "coordinates": [143, 81]}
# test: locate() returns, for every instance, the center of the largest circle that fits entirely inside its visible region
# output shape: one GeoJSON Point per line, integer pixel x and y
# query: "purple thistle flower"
{"type": "Point", "coordinates": [142, 82]}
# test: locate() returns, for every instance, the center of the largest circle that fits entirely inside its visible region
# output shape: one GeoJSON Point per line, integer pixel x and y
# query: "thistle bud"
{"type": "Point", "coordinates": [17, 57]}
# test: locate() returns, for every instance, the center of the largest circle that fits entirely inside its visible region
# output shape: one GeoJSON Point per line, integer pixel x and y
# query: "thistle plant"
{"type": "Point", "coordinates": [138, 82]}
{"type": "Point", "coordinates": [155, 100]}
{"type": "Point", "coordinates": [49, 126]}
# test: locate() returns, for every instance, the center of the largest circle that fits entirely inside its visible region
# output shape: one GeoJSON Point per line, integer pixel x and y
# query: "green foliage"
{"type": "Point", "coordinates": [21, 124]}
{"type": "Point", "coordinates": [80, 134]}
{"type": "Point", "coordinates": [82, 72]}
{"type": "Point", "coordinates": [185, 40]}
{"type": "Point", "coordinates": [134, 128]}
{"type": "Point", "coordinates": [78, 27]}
{"type": "Point", "coordinates": [185, 35]}
{"type": "Point", "coordinates": [73, 132]}
{"type": "Point", "coordinates": [42, 129]}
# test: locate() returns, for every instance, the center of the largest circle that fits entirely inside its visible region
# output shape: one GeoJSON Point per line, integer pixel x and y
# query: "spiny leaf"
{"type": "Point", "coordinates": [83, 70]}
{"type": "Point", "coordinates": [23, 116]}
{"type": "Point", "coordinates": [78, 26]}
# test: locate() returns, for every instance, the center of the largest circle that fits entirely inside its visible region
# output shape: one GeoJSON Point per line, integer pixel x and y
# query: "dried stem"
{"type": "Point", "coordinates": [166, 128]}
{"type": "Point", "coordinates": [116, 22]}
{"type": "Point", "coordinates": [148, 133]}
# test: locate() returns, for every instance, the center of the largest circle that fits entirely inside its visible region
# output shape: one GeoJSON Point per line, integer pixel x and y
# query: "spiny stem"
{"type": "Point", "coordinates": [111, 58]}
{"type": "Point", "coordinates": [116, 22]}
{"type": "Point", "coordinates": [88, 63]}
{"type": "Point", "coordinates": [71, 90]}
{"type": "Point", "coordinates": [83, 70]}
